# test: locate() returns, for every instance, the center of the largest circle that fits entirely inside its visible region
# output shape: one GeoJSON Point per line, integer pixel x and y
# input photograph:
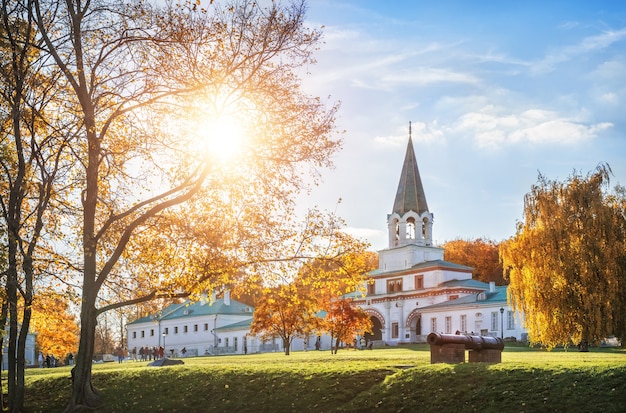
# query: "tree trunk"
{"type": "Point", "coordinates": [3, 322]}
{"type": "Point", "coordinates": [84, 395]}
{"type": "Point", "coordinates": [11, 291]}
{"type": "Point", "coordinates": [20, 363]}
{"type": "Point", "coordinates": [287, 345]}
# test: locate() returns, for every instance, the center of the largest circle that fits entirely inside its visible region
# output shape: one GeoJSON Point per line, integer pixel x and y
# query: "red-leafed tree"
{"type": "Point", "coordinates": [344, 321]}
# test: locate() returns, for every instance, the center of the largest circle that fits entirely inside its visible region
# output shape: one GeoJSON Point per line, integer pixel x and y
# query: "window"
{"type": "Point", "coordinates": [371, 288]}
{"type": "Point", "coordinates": [226, 342]}
{"type": "Point", "coordinates": [134, 334]}
{"type": "Point", "coordinates": [448, 325]}
{"type": "Point", "coordinates": [206, 326]}
{"type": "Point", "coordinates": [143, 334]}
{"type": "Point", "coordinates": [185, 329]}
{"type": "Point", "coordinates": [195, 327]}
{"type": "Point", "coordinates": [510, 321]}
{"type": "Point", "coordinates": [235, 343]}
{"type": "Point", "coordinates": [433, 325]}
{"type": "Point", "coordinates": [463, 323]}
{"type": "Point", "coordinates": [167, 330]}
{"type": "Point", "coordinates": [394, 285]}
{"type": "Point", "coordinates": [176, 330]}
{"type": "Point", "coordinates": [394, 330]}
{"type": "Point", "coordinates": [494, 321]}
{"type": "Point", "coordinates": [151, 332]}
{"type": "Point", "coordinates": [419, 282]}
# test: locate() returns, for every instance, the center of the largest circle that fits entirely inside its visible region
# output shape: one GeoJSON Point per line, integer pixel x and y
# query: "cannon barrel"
{"type": "Point", "coordinates": [470, 342]}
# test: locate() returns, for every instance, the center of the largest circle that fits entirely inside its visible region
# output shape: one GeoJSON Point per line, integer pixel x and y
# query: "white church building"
{"type": "Point", "coordinates": [413, 292]}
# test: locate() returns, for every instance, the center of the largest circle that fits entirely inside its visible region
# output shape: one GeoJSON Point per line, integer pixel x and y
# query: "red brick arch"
{"type": "Point", "coordinates": [377, 314]}
{"type": "Point", "coordinates": [415, 314]}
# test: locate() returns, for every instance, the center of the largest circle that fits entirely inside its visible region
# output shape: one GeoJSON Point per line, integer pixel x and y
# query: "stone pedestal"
{"type": "Point", "coordinates": [485, 356]}
{"type": "Point", "coordinates": [447, 353]}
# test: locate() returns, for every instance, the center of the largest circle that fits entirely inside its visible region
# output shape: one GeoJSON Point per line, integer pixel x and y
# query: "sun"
{"type": "Point", "coordinates": [221, 136]}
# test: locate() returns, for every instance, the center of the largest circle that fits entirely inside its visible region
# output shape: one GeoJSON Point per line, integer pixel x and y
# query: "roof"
{"type": "Point", "coordinates": [198, 308]}
{"type": "Point", "coordinates": [471, 283]}
{"type": "Point", "coordinates": [441, 263]}
{"type": "Point", "coordinates": [410, 195]}
{"type": "Point", "coordinates": [240, 325]}
{"type": "Point", "coordinates": [426, 265]}
{"type": "Point", "coordinates": [485, 298]}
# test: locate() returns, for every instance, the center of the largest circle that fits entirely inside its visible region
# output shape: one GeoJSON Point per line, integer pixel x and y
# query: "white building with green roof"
{"type": "Point", "coordinates": [207, 327]}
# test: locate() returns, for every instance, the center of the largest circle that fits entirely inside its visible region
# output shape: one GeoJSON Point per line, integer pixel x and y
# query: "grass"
{"type": "Point", "coordinates": [382, 380]}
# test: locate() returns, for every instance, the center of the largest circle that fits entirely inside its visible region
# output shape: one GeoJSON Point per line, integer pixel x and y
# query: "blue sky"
{"type": "Point", "coordinates": [497, 91]}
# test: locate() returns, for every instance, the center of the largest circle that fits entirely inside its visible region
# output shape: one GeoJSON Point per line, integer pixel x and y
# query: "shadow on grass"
{"type": "Point", "coordinates": [393, 380]}
{"type": "Point", "coordinates": [494, 388]}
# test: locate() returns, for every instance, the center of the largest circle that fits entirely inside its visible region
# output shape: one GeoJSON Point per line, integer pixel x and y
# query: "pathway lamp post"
{"type": "Point", "coordinates": [502, 323]}
{"type": "Point", "coordinates": [164, 335]}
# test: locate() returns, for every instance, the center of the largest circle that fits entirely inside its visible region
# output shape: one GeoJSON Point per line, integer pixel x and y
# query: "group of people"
{"type": "Point", "coordinates": [47, 361]}
{"type": "Point", "coordinates": [148, 354]}
{"type": "Point", "coordinates": [362, 344]}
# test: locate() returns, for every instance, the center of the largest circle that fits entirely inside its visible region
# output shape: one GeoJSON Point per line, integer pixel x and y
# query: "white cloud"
{"type": "Point", "coordinates": [610, 98]}
{"type": "Point", "coordinates": [427, 76]}
{"type": "Point", "coordinates": [587, 45]}
{"type": "Point", "coordinates": [492, 129]}
{"type": "Point", "coordinates": [558, 131]}
{"type": "Point", "coordinates": [374, 236]}
{"type": "Point", "coordinates": [421, 132]}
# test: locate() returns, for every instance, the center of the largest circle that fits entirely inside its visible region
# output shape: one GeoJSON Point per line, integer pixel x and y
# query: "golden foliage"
{"type": "Point", "coordinates": [567, 261]}
{"type": "Point", "coordinates": [56, 327]}
{"type": "Point", "coordinates": [480, 254]}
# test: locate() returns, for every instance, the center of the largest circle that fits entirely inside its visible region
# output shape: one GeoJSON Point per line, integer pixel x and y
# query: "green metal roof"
{"type": "Point", "coordinates": [424, 266]}
{"type": "Point", "coordinates": [490, 298]}
{"type": "Point", "coordinates": [244, 324]}
{"type": "Point", "coordinates": [441, 263]}
{"type": "Point", "coordinates": [195, 309]}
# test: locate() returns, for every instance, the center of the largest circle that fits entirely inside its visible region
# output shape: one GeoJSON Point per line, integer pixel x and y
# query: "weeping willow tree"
{"type": "Point", "coordinates": [567, 260]}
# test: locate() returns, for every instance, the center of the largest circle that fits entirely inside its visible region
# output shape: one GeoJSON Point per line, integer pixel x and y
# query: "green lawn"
{"type": "Point", "coordinates": [383, 380]}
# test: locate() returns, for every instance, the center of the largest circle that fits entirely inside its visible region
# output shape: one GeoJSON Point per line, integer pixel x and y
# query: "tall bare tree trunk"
{"type": "Point", "coordinates": [84, 395]}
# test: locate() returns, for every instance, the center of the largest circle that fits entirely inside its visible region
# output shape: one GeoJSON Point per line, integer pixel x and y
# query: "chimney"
{"type": "Point", "coordinates": [492, 286]}
{"type": "Point", "coordinates": [226, 297]}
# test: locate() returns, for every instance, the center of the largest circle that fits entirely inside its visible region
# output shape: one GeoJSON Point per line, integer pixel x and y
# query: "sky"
{"type": "Point", "coordinates": [497, 92]}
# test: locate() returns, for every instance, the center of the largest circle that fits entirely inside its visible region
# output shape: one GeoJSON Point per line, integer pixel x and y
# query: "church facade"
{"type": "Point", "coordinates": [413, 292]}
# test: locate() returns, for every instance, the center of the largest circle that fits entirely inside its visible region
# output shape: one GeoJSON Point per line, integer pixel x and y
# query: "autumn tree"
{"type": "Point", "coordinates": [153, 90]}
{"type": "Point", "coordinates": [567, 260]}
{"type": "Point", "coordinates": [55, 324]}
{"type": "Point", "coordinates": [32, 158]}
{"type": "Point", "coordinates": [344, 321]}
{"type": "Point", "coordinates": [480, 254]}
{"type": "Point", "coordinates": [293, 307]}
{"type": "Point", "coordinates": [284, 312]}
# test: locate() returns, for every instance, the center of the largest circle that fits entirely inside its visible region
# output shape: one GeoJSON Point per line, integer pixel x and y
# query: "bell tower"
{"type": "Point", "coordinates": [410, 224]}
{"type": "Point", "coordinates": [410, 221]}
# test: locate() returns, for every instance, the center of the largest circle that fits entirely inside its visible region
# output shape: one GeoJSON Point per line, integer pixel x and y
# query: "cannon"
{"type": "Point", "coordinates": [450, 348]}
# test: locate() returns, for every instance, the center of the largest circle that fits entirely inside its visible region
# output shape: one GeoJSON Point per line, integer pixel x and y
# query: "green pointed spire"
{"type": "Point", "coordinates": [410, 195]}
